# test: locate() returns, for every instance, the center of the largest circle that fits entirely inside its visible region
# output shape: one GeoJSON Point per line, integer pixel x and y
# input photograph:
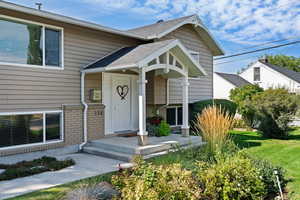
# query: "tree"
{"type": "Point", "coordinates": [289, 62]}
{"type": "Point", "coordinates": [274, 109]}
{"type": "Point", "coordinates": [240, 96]}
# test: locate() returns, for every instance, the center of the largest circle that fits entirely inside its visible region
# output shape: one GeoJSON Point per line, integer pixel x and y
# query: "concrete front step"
{"type": "Point", "coordinates": [125, 149]}
{"type": "Point", "coordinates": [141, 150]}
{"type": "Point", "coordinates": [108, 154]}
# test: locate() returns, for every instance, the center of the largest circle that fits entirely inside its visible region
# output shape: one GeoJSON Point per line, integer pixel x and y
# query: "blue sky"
{"type": "Point", "coordinates": [238, 25]}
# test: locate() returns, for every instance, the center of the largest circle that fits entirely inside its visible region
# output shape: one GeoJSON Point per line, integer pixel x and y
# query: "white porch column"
{"type": "Point", "coordinates": [185, 129]}
{"type": "Point", "coordinates": [142, 134]}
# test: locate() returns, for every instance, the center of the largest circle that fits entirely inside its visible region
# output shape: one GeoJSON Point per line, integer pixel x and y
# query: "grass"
{"type": "Point", "coordinates": [59, 191]}
{"type": "Point", "coordinates": [284, 153]}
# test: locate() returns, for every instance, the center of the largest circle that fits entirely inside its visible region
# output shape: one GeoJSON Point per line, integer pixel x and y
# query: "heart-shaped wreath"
{"type": "Point", "coordinates": [122, 91]}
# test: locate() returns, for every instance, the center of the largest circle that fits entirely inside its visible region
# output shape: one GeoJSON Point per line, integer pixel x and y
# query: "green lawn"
{"type": "Point", "coordinates": [285, 153]}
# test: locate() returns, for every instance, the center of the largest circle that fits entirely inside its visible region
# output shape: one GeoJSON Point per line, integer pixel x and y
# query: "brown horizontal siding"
{"type": "Point", "coordinates": [198, 89]}
{"type": "Point", "coordinates": [26, 88]}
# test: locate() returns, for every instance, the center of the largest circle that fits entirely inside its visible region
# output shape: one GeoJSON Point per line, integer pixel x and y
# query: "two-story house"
{"type": "Point", "coordinates": [64, 81]}
{"type": "Point", "coordinates": [267, 76]}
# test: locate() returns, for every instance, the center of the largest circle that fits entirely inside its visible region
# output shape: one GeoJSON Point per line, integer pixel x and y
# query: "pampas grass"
{"type": "Point", "coordinates": [213, 124]}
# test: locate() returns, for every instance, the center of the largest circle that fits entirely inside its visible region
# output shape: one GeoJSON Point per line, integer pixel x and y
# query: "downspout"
{"type": "Point", "coordinates": [84, 112]}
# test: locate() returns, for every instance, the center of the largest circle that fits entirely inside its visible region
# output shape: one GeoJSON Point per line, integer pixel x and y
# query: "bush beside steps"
{"type": "Point", "coordinates": [36, 166]}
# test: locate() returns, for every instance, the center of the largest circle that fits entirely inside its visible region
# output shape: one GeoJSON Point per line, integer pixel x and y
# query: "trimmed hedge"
{"type": "Point", "coordinates": [226, 105]}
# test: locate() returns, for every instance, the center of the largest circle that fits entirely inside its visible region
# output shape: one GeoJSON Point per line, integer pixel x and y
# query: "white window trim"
{"type": "Point", "coordinates": [176, 116]}
{"type": "Point", "coordinates": [43, 66]}
{"type": "Point", "coordinates": [44, 128]}
{"type": "Point", "coordinates": [198, 53]}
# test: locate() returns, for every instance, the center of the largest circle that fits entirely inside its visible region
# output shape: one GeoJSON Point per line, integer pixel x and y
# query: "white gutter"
{"type": "Point", "coordinates": [69, 20]}
{"type": "Point", "coordinates": [84, 112]}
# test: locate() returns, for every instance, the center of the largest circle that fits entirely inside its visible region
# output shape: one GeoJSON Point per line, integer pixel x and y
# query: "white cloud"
{"type": "Point", "coordinates": [247, 21]}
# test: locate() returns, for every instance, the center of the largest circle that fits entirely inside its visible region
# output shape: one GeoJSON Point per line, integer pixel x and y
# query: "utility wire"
{"type": "Point", "coordinates": [220, 63]}
{"type": "Point", "coordinates": [268, 42]}
{"type": "Point", "coordinates": [258, 50]}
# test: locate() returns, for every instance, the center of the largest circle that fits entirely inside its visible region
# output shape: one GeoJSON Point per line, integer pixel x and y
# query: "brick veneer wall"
{"type": "Point", "coordinates": [73, 133]}
{"type": "Point", "coordinates": [73, 129]}
{"type": "Point", "coordinates": [95, 121]}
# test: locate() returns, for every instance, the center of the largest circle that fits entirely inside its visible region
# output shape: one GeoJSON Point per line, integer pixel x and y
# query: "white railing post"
{"type": "Point", "coordinates": [142, 134]}
{"type": "Point", "coordinates": [185, 107]}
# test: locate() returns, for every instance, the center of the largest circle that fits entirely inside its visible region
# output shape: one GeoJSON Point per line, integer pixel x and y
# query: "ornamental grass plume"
{"type": "Point", "coordinates": [213, 124]}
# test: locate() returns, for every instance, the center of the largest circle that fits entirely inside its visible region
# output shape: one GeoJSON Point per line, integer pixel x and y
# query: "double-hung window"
{"type": "Point", "coordinates": [195, 55]}
{"type": "Point", "coordinates": [256, 74]}
{"type": "Point", "coordinates": [174, 116]}
{"type": "Point", "coordinates": [24, 43]}
{"type": "Point", "coordinates": [30, 128]}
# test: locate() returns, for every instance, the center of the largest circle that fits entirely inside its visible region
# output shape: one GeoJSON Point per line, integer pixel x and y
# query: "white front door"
{"type": "Point", "coordinates": [121, 98]}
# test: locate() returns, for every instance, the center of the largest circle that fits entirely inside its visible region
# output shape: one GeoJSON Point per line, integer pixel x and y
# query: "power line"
{"type": "Point", "coordinates": [258, 50]}
{"type": "Point", "coordinates": [269, 42]}
{"type": "Point", "coordinates": [231, 61]}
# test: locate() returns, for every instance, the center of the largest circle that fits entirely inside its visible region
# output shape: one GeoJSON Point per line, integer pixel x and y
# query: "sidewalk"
{"type": "Point", "coordinates": [86, 166]}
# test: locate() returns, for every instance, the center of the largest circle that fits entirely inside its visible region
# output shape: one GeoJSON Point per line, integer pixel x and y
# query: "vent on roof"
{"type": "Point", "coordinates": [264, 59]}
{"type": "Point", "coordinates": [39, 5]}
{"type": "Point", "coordinates": [159, 21]}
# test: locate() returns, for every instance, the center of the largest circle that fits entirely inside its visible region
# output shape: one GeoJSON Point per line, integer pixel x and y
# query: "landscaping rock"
{"type": "Point", "coordinates": [2, 170]}
{"type": "Point", "coordinates": [101, 191]}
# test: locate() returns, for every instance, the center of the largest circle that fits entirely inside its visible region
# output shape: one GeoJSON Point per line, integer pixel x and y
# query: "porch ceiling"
{"type": "Point", "coordinates": [140, 56]}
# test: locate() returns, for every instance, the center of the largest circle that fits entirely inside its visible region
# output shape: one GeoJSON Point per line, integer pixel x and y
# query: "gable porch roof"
{"type": "Point", "coordinates": [139, 56]}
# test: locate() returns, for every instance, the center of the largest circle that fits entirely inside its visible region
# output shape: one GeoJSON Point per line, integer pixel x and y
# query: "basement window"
{"type": "Point", "coordinates": [25, 129]}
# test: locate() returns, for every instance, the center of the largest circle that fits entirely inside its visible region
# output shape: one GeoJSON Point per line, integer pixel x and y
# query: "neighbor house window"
{"type": "Point", "coordinates": [256, 74]}
{"type": "Point", "coordinates": [174, 116]}
{"type": "Point", "coordinates": [32, 128]}
{"type": "Point", "coordinates": [29, 43]}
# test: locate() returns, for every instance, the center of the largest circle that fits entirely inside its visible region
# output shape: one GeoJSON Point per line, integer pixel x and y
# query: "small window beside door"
{"type": "Point", "coordinates": [174, 116]}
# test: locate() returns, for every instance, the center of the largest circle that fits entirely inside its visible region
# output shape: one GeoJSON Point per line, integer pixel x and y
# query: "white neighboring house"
{"type": "Point", "coordinates": [267, 76]}
{"type": "Point", "coordinates": [223, 83]}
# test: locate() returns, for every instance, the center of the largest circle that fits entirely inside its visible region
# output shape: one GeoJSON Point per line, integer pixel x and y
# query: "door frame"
{"type": "Point", "coordinates": [107, 79]}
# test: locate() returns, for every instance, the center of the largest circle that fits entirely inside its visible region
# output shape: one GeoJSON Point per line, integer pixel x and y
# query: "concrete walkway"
{"type": "Point", "coordinates": [86, 166]}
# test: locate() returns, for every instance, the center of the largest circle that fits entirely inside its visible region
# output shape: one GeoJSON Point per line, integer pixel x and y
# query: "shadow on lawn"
{"type": "Point", "coordinates": [247, 141]}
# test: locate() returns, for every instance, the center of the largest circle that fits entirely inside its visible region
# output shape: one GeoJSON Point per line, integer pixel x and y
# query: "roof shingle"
{"type": "Point", "coordinates": [128, 55]}
{"type": "Point", "coordinates": [289, 73]}
{"type": "Point", "coordinates": [234, 79]}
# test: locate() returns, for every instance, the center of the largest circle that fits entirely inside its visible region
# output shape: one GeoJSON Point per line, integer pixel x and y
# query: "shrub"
{"type": "Point", "coordinates": [163, 129]}
{"type": "Point", "coordinates": [155, 120]}
{"type": "Point", "coordinates": [240, 96]}
{"type": "Point", "coordinates": [226, 105]}
{"type": "Point", "coordinates": [27, 168]}
{"type": "Point", "coordinates": [231, 178]}
{"type": "Point", "coordinates": [266, 171]}
{"type": "Point", "coordinates": [274, 110]}
{"type": "Point", "coordinates": [239, 123]}
{"type": "Point", "coordinates": [150, 182]}
{"type": "Point", "coordinates": [214, 125]}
